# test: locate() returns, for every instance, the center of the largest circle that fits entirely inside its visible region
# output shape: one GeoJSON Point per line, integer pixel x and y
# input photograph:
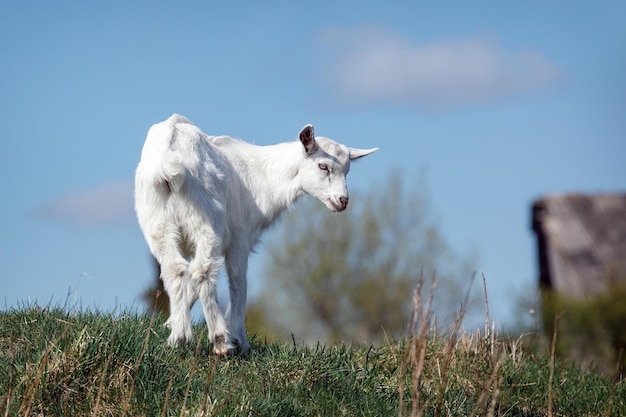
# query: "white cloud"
{"type": "Point", "coordinates": [107, 204]}
{"type": "Point", "coordinates": [370, 64]}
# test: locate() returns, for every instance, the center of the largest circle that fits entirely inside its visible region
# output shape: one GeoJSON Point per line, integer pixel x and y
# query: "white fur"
{"type": "Point", "coordinates": [204, 200]}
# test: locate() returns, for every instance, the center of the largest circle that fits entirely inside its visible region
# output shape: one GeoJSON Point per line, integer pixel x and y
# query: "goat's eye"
{"type": "Point", "coordinates": [323, 167]}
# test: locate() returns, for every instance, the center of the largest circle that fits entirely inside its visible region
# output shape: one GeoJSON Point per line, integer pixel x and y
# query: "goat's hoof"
{"type": "Point", "coordinates": [222, 348]}
{"type": "Point", "coordinates": [241, 347]}
{"type": "Point", "coordinates": [179, 341]}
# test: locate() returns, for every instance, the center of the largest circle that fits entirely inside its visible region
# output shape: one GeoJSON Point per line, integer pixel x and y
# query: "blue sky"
{"type": "Point", "coordinates": [502, 102]}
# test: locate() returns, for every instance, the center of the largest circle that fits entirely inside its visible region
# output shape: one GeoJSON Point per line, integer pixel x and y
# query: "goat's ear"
{"type": "Point", "coordinates": [307, 137]}
{"type": "Point", "coordinates": [360, 153]}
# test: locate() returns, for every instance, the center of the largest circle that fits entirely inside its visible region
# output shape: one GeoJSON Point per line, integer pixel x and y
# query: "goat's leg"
{"type": "Point", "coordinates": [218, 330]}
{"type": "Point", "coordinates": [175, 274]}
{"type": "Point", "coordinates": [205, 270]}
{"type": "Point", "coordinates": [237, 268]}
{"type": "Point", "coordinates": [174, 277]}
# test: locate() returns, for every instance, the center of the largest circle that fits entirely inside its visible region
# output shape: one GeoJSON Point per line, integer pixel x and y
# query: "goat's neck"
{"type": "Point", "coordinates": [274, 181]}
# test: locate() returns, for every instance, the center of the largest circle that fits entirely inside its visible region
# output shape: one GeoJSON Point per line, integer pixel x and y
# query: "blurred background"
{"type": "Point", "coordinates": [478, 110]}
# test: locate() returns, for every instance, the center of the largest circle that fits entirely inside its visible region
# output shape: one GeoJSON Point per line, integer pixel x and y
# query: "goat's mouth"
{"type": "Point", "coordinates": [337, 207]}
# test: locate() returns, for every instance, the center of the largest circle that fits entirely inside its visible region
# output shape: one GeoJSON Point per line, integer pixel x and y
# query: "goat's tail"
{"type": "Point", "coordinates": [164, 164]}
{"type": "Point", "coordinates": [161, 170]}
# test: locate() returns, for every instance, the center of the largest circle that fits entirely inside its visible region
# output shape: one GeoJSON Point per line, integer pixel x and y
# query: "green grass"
{"type": "Point", "coordinates": [56, 363]}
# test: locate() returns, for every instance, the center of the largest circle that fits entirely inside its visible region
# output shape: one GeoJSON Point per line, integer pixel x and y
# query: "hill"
{"type": "Point", "coordinates": [53, 362]}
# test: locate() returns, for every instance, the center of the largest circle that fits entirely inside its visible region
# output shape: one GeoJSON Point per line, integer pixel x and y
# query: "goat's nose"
{"type": "Point", "coordinates": [343, 201]}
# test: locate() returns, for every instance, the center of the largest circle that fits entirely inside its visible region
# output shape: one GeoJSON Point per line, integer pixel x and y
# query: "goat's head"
{"type": "Point", "coordinates": [325, 168]}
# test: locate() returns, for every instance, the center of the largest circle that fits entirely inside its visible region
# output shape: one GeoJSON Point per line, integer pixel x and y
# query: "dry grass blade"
{"type": "Point", "coordinates": [136, 369]}
{"type": "Point", "coordinates": [12, 353]}
{"type": "Point", "coordinates": [29, 395]}
{"type": "Point", "coordinates": [415, 355]}
{"type": "Point", "coordinates": [192, 371]}
{"type": "Point", "coordinates": [494, 398]}
{"type": "Point", "coordinates": [103, 377]}
{"type": "Point", "coordinates": [551, 377]}
{"type": "Point", "coordinates": [489, 384]}
{"type": "Point", "coordinates": [418, 351]}
{"type": "Point", "coordinates": [616, 378]}
{"type": "Point", "coordinates": [452, 341]}
{"type": "Point", "coordinates": [407, 352]}
{"type": "Point", "coordinates": [168, 391]}
{"type": "Point", "coordinates": [487, 320]}
{"type": "Point", "coordinates": [209, 379]}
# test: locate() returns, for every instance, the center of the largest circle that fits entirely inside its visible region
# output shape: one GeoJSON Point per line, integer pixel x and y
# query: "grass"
{"type": "Point", "coordinates": [53, 362]}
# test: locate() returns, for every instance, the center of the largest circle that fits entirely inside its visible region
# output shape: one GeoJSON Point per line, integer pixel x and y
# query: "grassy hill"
{"type": "Point", "coordinates": [56, 363]}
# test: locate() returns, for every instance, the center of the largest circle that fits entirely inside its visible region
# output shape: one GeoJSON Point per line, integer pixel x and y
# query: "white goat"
{"type": "Point", "coordinates": [200, 199]}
